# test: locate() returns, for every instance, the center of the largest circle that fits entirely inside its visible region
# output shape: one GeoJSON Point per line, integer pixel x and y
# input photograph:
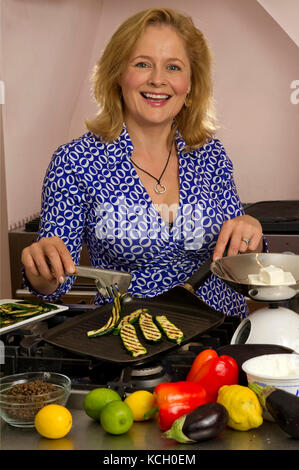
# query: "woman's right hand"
{"type": "Point", "coordinates": [46, 263]}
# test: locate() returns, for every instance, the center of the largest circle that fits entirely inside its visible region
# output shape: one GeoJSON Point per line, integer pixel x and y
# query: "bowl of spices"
{"type": "Point", "coordinates": [23, 395]}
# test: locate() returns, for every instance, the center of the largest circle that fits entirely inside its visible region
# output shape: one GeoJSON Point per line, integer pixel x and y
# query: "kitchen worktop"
{"type": "Point", "coordinates": [86, 434]}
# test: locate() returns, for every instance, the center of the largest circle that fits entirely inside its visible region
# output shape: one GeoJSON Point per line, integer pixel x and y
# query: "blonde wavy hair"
{"type": "Point", "coordinates": [196, 121]}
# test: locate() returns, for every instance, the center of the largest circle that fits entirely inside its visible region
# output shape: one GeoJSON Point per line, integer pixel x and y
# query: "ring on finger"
{"type": "Point", "coordinates": [246, 240]}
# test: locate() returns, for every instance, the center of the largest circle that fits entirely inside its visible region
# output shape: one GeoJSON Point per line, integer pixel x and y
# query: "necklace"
{"type": "Point", "coordinates": [159, 187]}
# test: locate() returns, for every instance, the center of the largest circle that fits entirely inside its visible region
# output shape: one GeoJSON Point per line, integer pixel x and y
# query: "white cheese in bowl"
{"type": "Point", "coordinates": [275, 365]}
{"type": "Point", "coordinates": [272, 275]}
{"type": "Point", "coordinates": [274, 370]}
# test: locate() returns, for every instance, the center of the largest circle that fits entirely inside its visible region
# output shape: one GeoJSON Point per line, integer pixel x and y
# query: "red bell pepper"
{"type": "Point", "coordinates": [214, 373]}
{"type": "Point", "coordinates": [175, 399]}
{"type": "Point", "coordinates": [200, 359]}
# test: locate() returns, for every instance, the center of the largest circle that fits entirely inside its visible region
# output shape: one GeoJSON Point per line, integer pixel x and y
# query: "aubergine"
{"type": "Point", "coordinates": [243, 352]}
{"type": "Point", "coordinates": [203, 423]}
{"type": "Point", "coordinates": [283, 406]}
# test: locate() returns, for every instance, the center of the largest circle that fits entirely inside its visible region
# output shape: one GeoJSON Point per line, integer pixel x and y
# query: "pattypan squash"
{"type": "Point", "coordinates": [242, 405]}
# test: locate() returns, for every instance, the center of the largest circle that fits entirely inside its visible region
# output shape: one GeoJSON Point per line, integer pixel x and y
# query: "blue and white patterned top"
{"type": "Point", "coordinates": [92, 193]}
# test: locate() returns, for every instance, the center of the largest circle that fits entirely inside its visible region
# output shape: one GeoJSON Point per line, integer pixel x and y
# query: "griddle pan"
{"type": "Point", "coordinates": [181, 306]}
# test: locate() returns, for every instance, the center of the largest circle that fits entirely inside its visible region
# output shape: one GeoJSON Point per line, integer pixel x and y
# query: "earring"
{"type": "Point", "coordinates": [187, 101]}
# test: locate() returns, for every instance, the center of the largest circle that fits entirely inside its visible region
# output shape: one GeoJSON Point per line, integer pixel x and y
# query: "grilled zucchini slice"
{"type": "Point", "coordinates": [149, 329]}
{"type": "Point", "coordinates": [130, 318]}
{"type": "Point", "coordinates": [130, 340]}
{"type": "Point", "coordinates": [112, 320]}
{"type": "Point", "coordinates": [172, 332]}
{"type": "Point", "coordinates": [24, 314]}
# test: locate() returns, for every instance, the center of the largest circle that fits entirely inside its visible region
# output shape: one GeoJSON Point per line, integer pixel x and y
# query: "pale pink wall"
{"type": "Point", "coordinates": [286, 14]}
{"type": "Point", "coordinates": [50, 47]}
{"type": "Point", "coordinates": [46, 53]}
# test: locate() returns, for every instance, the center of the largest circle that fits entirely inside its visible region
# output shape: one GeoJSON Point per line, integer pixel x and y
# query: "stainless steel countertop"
{"type": "Point", "coordinates": [86, 434]}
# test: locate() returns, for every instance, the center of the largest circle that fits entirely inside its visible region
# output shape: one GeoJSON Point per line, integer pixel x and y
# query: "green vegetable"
{"type": "Point", "coordinates": [130, 340]}
{"type": "Point", "coordinates": [12, 312]}
{"type": "Point", "coordinates": [130, 318]}
{"type": "Point", "coordinates": [171, 332]}
{"type": "Point", "coordinates": [112, 320]}
{"type": "Point", "coordinates": [282, 406]}
{"type": "Point", "coordinates": [148, 328]}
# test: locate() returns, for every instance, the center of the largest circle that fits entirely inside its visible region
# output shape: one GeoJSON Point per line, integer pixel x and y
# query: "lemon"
{"type": "Point", "coordinates": [53, 421]}
{"type": "Point", "coordinates": [96, 399]}
{"type": "Point", "coordinates": [140, 403]}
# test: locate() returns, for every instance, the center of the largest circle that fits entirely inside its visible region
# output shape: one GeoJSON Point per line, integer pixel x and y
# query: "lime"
{"type": "Point", "coordinates": [140, 403]}
{"type": "Point", "coordinates": [53, 421]}
{"type": "Point", "coordinates": [96, 399]}
{"type": "Point", "coordinates": [116, 417]}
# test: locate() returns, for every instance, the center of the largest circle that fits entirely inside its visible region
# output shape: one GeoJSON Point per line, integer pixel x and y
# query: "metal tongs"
{"type": "Point", "coordinates": [109, 283]}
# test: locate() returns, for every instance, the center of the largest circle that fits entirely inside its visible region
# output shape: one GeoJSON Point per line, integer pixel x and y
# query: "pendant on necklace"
{"type": "Point", "coordinates": [159, 188]}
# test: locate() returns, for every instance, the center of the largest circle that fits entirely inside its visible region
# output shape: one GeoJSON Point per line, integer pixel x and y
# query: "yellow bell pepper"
{"type": "Point", "coordinates": [242, 405]}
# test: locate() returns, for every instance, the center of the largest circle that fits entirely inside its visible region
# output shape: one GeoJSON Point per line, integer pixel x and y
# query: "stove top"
{"type": "Point", "coordinates": [25, 351]}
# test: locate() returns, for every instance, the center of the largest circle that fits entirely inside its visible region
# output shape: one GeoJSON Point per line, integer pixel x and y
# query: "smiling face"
{"type": "Point", "coordinates": [156, 79]}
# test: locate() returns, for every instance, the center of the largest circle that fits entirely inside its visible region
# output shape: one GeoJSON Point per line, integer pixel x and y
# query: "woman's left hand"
{"type": "Point", "coordinates": [240, 235]}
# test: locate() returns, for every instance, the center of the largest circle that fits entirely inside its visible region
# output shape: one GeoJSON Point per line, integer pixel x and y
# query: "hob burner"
{"type": "Point", "coordinates": [142, 371]}
{"type": "Point", "coordinates": [141, 377]}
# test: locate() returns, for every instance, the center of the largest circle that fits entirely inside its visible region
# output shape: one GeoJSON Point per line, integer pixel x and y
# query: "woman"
{"type": "Point", "coordinates": [148, 188]}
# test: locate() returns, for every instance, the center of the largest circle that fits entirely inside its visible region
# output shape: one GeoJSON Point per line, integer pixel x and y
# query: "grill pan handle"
{"type": "Point", "coordinates": [199, 277]}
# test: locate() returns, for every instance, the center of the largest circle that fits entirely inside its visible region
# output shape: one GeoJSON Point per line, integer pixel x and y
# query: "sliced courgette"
{"type": "Point", "coordinates": [130, 318]}
{"type": "Point", "coordinates": [24, 314]}
{"type": "Point", "coordinates": [29, 306]}
{"type": "Point", "coordinates": [172, 332]}
{"type": "Point", "coordinates": [15, 308]}
{"type": "Point", "coordinates": [6, 322]}
{"type": "Point", "coordinates": [112, 320]}
{"type": "Point", "coordinates": [11, 313]}
{"type": "Point", "coordinates": [149, 329]}
{"type": "Point", "coordinates": [130, 340]}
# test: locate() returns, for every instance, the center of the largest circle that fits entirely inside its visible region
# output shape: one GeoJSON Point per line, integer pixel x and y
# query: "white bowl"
{"type": "Point", "coordinates": [277, 370]}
